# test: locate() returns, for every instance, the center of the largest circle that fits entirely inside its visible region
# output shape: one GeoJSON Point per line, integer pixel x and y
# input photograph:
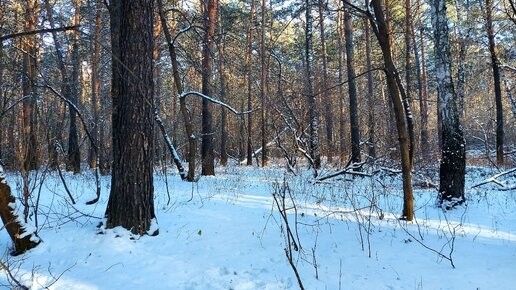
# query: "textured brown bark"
{"type": "Point", "coordinates": [29, 147]}
{"type": "Point", "coordinates": [192, 140]}
{"type": "Point", "coordinates": [395, 91]}
{"type": "Point", "coordinates": [210, 18]}
{"type": "Point", "coordinates": [131, 201]}
{"type": "Point", "coordinates": [352, 88]}
{"type": "Point", "coordinates": [495, 64]}
{"type": "Point", "coordinates": [22, 241]}
{"type": "Point", "coordinates": [328, 112]}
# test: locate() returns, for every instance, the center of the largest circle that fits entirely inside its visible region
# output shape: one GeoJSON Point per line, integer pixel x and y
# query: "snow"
{"type": "Point", "coordinates": [225, 232]}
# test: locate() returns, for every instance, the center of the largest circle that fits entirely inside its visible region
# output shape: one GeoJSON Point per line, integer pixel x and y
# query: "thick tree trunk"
{"type": "Point", "coordinates": [328, 111]}
{"type": "Point", "coordinates": [495, 64]}
{"type": "Point", "coordinates": [313, 112]}
{"type": "Point", "coordinates": [22, 239]}
{"type": "Point", "coordinates": [453, 160]}
{"type": "Point", "coordinates": [131, 201]}
{"type": "Point", "coordinates": [208, 157]}
{"type": "Point", "coordinates": [396, 92]}
{"type": "Point", "coordinates": [352, 89]}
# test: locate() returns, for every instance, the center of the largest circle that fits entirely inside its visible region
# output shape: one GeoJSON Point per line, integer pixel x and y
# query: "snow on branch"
{"type": "Point", "coordinates": [494, 179]}
{"type": "Point", "coordinates": [213, 100]}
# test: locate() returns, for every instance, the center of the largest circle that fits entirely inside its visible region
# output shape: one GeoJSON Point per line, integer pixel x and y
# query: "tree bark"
{"type": "Point", "coordinates": [495, 64]}
{"type": "Point", "coordinates": [95, 40]}
{"type": "Point", "coordinates": [222, 79]}
{"type": "Point", "coordinates": [328, 112]}
{"type": "Point", "coordinates": [29, 146]}
{"type": "Point", "coordinates": [352, 89]}
{"type": "Point", "coordinates": [249, 71]}
{"type": "Point", "coordinates": [263, 80]}
{"type": "Point", "coordinates": [422, 87]}
{"type": "Point", "coordinates": [370, 91]}
{"type": "Point", "coordinates": [313, 112]}
{"type": "Point", "coordinates": [131, 201]}
{"type": "Point", "coordinates": [453, 160]}
{"type": "Point", "coordinates": [22, 239]}
{"type": "Point", "coordinates": [74, 153]}
{"type": "Point", "coordinates": [210, 17]}
{"type": "Point", "coordinates": [396, 92]}
{"type": "Point", "coordinates": [192, 140]}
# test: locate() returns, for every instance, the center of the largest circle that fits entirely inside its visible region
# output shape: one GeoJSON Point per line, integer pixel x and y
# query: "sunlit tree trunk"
{"type": "Point", "coordinates": [370, 91]}
{"type": "Point", "coordinates": [396, 93]}
{"type": "Point", "coordinates": [249, 72]}
{"type": "Point", "coordinates": [131, 201]}
{"type": "Point", "coordinates": [263, 81]}
{"type": "Point", "coordinates": [453, 160]}
{"type": "Point", "coordinates": [352, 89]}
{"type": "Point", "coordinates": [328, 112]}
{"type": "Point", "coordinates": [495, 64]}
{"type": "Point", "coordinates": [210, 18]}
{"type": "Point", "coordinates": [29, 147]}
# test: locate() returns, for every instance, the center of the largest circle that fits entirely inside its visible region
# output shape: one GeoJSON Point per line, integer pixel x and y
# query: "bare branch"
{"type": "Point", "coordinates": [38, 31]}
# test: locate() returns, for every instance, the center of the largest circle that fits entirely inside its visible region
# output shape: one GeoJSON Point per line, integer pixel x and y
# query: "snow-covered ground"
{"type": "Point", "coordinates": [225, 232]}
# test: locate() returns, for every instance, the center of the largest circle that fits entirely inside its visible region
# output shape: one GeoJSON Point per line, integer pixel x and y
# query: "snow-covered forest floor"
{"type": "Point", "coordinates": [226, 232]}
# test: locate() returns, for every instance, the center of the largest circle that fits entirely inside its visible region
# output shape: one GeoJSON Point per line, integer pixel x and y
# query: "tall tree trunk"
{"type": "Point", "coordinates": [370, 91]}
{"type": "Point", "coordinates": [96, 27]}
{"type": "Point", "coordinates": [328, 112]}
{"type": "Point", "coordinates": [210, 18]}
{"type": "Point", "coordinates": [421, 81]}
{"type": "Point", "coordinates": [131, 201]}
{"type": "Point", "coordinates": [453, 160]}
{"type": "Point", "coordinates": [495, 64]}
{"type": "Point", "coordinates": [222, 79]}
{"type": "Point", "coordinates": [396, 93]}
{"type": "Point", "coordinates": [192, 141]}
{"type": "Point", "coordinates": [69, 87]}
{"type": "Point", "coordinates": [352, 89]}
{"type": "Point", "coordinates": [408, 99]}
{"type": "Point", "coordinates": [249, 72]}
{"type": "Point", "coordinates": [30, 148]}
{"type": "Point", "coordinates": [263, 80]}
{"type": "Point", "coordinates": [313, 112]}
{"type": "Point", "coordinates": [74, 154]}
{"type": "Point", "coordinates": [342, 114]}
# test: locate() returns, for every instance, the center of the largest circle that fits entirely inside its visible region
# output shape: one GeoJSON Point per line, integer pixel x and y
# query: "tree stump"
{"type": "Point", "coordinates": [23, 240]}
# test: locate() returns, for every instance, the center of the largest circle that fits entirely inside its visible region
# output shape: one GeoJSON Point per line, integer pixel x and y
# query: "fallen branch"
{"type": "Point", "coordinates": [348, 170]}
{"type": "Point", "coordinates": [494, 179]}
